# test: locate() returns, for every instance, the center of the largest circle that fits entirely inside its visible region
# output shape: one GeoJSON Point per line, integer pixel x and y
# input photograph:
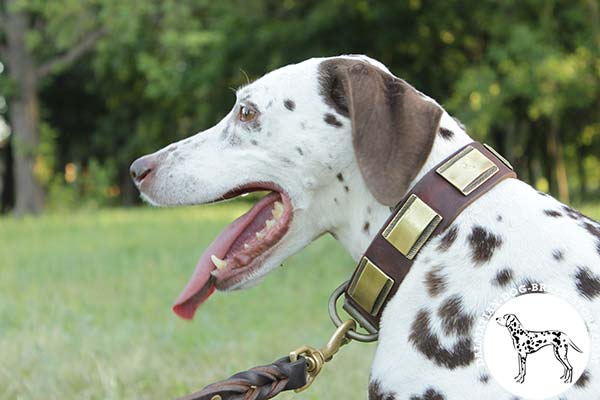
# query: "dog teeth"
{"type": "Point", "coordinates": [220, 264]}
{"type": "Point", "coordinates": [246, 246]}
{"type": "Point", "coordinates": [260, 235]}
{"type": "Point", "coordinates": [277, 209]}
{"type": "Point", "coordinates": [270, 223]}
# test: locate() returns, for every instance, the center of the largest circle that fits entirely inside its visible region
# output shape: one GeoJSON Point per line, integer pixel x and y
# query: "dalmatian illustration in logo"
{"type": "Point", "coordinates": [527, 342]}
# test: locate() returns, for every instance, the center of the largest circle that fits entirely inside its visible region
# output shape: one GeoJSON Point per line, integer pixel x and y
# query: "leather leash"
{"type": "Point", "coordinates": [264, 382]}
{"type": "Point", "coordinates": [425, 212]}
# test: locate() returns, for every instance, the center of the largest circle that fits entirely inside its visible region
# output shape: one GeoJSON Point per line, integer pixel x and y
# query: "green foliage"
{"type": "Point", "coordinates": [89, 187]}
{"type": "Point", "coordinates": [512, 71]}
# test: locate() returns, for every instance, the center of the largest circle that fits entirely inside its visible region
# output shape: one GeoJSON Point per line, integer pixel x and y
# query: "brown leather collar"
{"type": "Point", "coordinates": [425, 212]}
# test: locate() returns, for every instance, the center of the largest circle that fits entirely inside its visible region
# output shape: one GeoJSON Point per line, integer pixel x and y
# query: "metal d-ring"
{"type": "Point", "coordinates": [337, 321]}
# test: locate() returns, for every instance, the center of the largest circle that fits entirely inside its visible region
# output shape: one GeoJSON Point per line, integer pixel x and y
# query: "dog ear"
{"type": "Point", "coordinates": [393, 125]}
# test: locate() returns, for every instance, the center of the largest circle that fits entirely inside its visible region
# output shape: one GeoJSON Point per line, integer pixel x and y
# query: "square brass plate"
{"type": "Point", "coordinates": [468, 170]}
{"type": "Point", "coordinates": [370, 286]}
{"type": "Point", "coordinates": [412, 226]}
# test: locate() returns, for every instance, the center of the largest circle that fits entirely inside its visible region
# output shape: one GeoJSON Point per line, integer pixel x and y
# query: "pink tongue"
{"type": "Point", "coordinates": [202, 283]}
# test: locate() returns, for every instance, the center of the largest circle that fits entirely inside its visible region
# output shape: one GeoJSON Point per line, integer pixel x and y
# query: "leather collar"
{"type": "Point", "coordinates": [425, 212]}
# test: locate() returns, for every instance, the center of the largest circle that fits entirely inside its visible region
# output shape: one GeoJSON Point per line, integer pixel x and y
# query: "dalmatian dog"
{"type": "Point", "coordinates": [528, 342]}
{"type": "Point", "coordinates": [337, 142]}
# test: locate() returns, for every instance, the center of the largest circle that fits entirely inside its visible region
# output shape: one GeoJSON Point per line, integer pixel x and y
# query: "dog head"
{"type": "Point", "coordinates": [291, 133]}
{"type": "Point", "coordinates": [507, 320]}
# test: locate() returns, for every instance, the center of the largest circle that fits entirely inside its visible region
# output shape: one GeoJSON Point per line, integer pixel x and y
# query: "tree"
{"type": "Point", "coordinates": [38, 39]}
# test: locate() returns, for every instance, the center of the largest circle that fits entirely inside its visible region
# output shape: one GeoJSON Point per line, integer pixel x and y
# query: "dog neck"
{"type": "Point", "coordinates": [514, 328]}
{"type": "Point", "coordinates": [361, 214]}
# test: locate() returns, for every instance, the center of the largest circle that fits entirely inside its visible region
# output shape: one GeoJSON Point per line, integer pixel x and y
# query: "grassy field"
{"type": "Point", "coordinates": [85, 309]}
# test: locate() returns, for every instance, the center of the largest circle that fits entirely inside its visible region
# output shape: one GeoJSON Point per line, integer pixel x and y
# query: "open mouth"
{"type": "Point", "coordinates": [238, 251]}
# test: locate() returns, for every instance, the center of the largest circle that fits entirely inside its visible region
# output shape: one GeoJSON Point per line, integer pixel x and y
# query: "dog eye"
{"type": "Point", "coordinates": [246, 114]}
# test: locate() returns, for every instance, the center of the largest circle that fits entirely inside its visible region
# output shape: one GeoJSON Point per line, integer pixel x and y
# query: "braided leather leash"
{"type": "Point", "coordinates": [259, 383]}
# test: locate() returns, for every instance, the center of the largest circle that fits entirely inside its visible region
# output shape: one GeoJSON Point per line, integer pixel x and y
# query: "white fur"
{"type": "Point", "coordinates": [207, 165]}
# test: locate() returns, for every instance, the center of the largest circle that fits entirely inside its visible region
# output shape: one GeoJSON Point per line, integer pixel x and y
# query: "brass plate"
{"type": "Point", "coordinates": [468, 170]}
{"type": "Point", "coordinates": [504, 160]}
{"type": "Point", "coordinates": [412, 226]}
{"type": "Point", "coordinates": [370, 287]}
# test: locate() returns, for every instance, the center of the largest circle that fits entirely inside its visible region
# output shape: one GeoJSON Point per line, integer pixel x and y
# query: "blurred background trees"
{"type": "Point", "coordinates": [114, 79]}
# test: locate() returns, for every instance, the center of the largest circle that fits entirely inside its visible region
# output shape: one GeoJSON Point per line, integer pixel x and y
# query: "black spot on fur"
{"type": "Point", "coordinates": [503, 277]}
{"type": "Point", "coordinates": [435, 281]}
{"type": "Point", "coordinates": [499, 218]}
{"type": "Point", "coordinates": [583, 380]}
{"type": "Point", "coordinates": [446, 133]}
{"type": "Point", "coordinates": [366, 227]}
{"type": "Point", "coordinates": [346, 188]}
{"type": "Point", "coordinates": [332, 120]}
{"type": "Point", "coordinates": [340, 177]}
{"type": "Point", "coordinates": [448, 239]}
{"type": "Point", "coordinates": [558, 254]}
{"type": "Point", "coordinates": [483, 244]}
{"type": "Point", "coordinates": [375, 392]}
{"type": "Point", "coordinates": [454, 319]}
{"type": "Point", "coordinates": [429, 394]}
{"type": "Point", "coordinates": [594, 230]}
{"type": "Point", "coordinates": [289, 104]}
{"type": "Point", "coordinates": [553, 213]}
{"type": "Point", "coordinates": [571, 213]}
{"type": "Point", "coordinates": [299, 150]}
{"type": "Point", "coordinates": [254, 142]}
{"type": "Point", "coordinates": [335, 200]}
{"type": "Point", "coordinates": [287, 161]}
{"type": "Point", "coordinates": [234, 140]}
{"type": "Point", "coordinates": [484, 378]}
{"type": "Point", "coordinates": [460, 355]}
{"type": "Point", "coordinates": [587, 283]}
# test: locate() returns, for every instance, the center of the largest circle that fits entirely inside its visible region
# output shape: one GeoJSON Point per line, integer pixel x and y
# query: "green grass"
{"type": "Point", "coordinates": [85, 309]}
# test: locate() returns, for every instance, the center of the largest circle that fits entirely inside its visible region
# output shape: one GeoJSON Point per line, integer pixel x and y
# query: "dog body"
{"type": "Point", "coordinates": [528, 342]}
{"type": "Point", "coordinates": [322, 136]}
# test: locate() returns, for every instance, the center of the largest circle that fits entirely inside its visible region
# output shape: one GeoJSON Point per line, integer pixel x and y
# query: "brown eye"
{"type": "Point", "coordinates": [246, 114]}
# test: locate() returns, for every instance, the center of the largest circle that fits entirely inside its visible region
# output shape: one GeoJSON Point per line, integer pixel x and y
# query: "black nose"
{"type": "Point", "coordinates": [141, 168]}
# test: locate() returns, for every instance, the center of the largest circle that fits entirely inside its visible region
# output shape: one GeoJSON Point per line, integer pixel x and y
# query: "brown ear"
{"type": "Point", "coordinates": [393, 126]}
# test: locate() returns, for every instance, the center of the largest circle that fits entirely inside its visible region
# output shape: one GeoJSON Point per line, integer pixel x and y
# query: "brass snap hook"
{"type": "Point", "coordinates": [315, 359]}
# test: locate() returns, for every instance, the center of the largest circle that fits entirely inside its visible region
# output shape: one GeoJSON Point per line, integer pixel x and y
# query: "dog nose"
{"type": "Point", "coordinates": [141, 168]}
